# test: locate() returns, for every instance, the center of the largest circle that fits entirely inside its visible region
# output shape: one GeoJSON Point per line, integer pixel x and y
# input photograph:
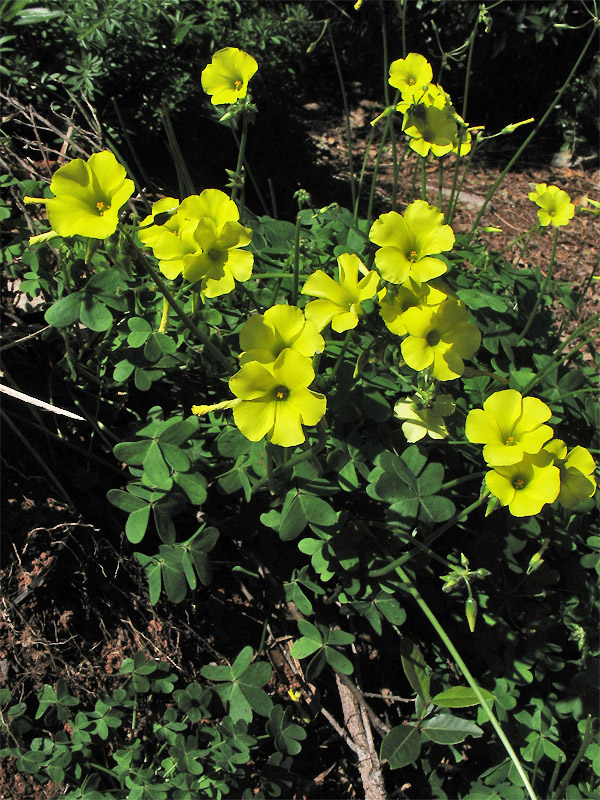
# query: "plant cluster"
{"type": "Point", "coordinates": [323, 388]}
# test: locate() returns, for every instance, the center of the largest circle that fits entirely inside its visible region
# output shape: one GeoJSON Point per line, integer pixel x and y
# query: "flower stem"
{"type": "Point", "coordinates": [340, 358]}
{"type": "Point", "coordinates": [240, 161]}
{"type": "Point", "coordinates": [398, 562]}
{"type": "Point", "coordinates": [412, 589]}
{"type": "Point", "coordinates": [214, 351]}
{"type": "Point", "coordinates": [542, 291]}
{"type": "Point", "coordinates": [549, 110]}
{"type": "Point", "coordinates": [347, 116]}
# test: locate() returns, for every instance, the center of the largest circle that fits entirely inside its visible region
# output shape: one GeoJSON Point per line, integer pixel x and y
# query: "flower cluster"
{"type": "Point", "coordinates": [555, 206]}
{"type": "Point", "coordinates": [430, 120]}
{"type": "Point", "coordinates": [200, 238]}
{"type": "Point", "coordinates": [528, 470]}
{"type": "Point", "coordinates": [439, 334]}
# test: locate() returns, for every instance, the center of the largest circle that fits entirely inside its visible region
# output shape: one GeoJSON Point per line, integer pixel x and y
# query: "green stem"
{"type": "Point", "coordinates": [534, 132]}
{"type": "Point", "coordinates": [398, 562]}
{"type": "Point", "coordinates": [376, 170]}
{"type": "Point", "coordinates": [584, 328]}
{"type": "Point", "coordinates": [304, 456]}
{"type": "Point", "coordinates": [441, 182]}
{"type": "Point", "coordinates": [423, 180]}
{"type": "Point", "coordinates": [542, 291]}
{"type": "Point", "coordinates": [474, 476]}
{"type": "Point", "coordinates": [362, 175]}
{"type": "Point", "coordinates": [411, 589]}
{"type": "Point", "coordinates": [347, 116]}
{"type": "Point", "coordinates": [585, 743]}
{"type": "Point", "coordinates": [294, 297]}
{"type": "Point", "coordinates": [148, 268]}
{"type": "Point", "coordinates": [339, 359]}
{"type": "Point", "coordinates": [468, 68]}
{"type": "Point", "coordinates": [240, 161]}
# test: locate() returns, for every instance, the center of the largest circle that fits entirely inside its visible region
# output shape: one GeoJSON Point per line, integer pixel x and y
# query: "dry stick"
{"type": "Point", "coordinates": [359, 729]}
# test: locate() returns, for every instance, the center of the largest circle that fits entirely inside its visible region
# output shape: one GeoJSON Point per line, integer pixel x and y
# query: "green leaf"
{"type": "Point", "coordinates": [65, 311]}
{"type": "Point", "coordinates": [401, 746]}
{"type": "Point", "coordinates": [155, 467]}
{"type": "Point", "coordinates": [460, 697]}
{"type": "Point", "coordinates": [194, 485]}
{"type": "Point", "coordinates": [338, 661]}
{"type": "Point", "coordinates": [242, 661]}
{"type": "Point", "coordinates": [293, 518]}
{"type": "Point", "coordinates": [124, 500]}
{"type": "Point", "coordinates": [415, 669]}
{"type": "Point", "coordinates": [448, 729]}
{"type": "Point", "coordinates": [259, 700]}
{"type": "Point", "coordinates": [310, 631]}
{"type": "Point", "coordinates": [174, 582]}
{"type": "Point", "coordinates": [94, 314]}
{"type": "Point", "coordinates": [257, 674]}
{"type": "Point", "coordinates": [132, 452]}
{"type": "Point", "coordinates": [336, 637]}
{"type": "Point", "coordinates": [316, 510]}
{"type": "Point", "coordinates": [137, 522]}
{"type": "Point", "coordinates": [390, 608]}
{"type": "Point", "coordinates": [304, 647]}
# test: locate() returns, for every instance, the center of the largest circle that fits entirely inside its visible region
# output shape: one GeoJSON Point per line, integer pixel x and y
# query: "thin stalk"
{"type": "Point", "coordinates": [414, 180]}
{"type": "Point", "coordinates": [585, 743]}
{"type": "Point", "coordinates": [240, 161]}
{"type": "Point", "coordinates": [456, 192]}
{"type": "Point", "coordinates": [401, 8]}
{"type": "Point", "coordinates": [347, 115]}
{"type": "Point", "coordinates": [33, 452]}
{"type": "Point", "coordinates": [261, 199]}
{"type": "Point", "coordinates": [441, 182]}
{"type": "Point", "coordinates": [423, 180]}
{"type": "Point", "coordinates": [542, 290]}
{"type": "Point", "coordinates": [474, 476]}
{"type": "Point", "coordinates": [412, 589]}
{"type": "Point", "coordinates": [362, 174]}
{"type": "Point", "coordinates": [468, 68]}
{"type": "Point", "coordinates": [304, 456]}
{"type": "Point", "coordinates": [581, 330]}
{"type": "Point", "coordinates": [396, 174]}
{"type": "Point", "coordinates": [534, 132]}
{"type": "Point", "coordinates": [24, 338]}
{"type": "Point", "coordinates": [184, 179]}
{"type": "Point", "coordinates": [386, 86]}
{"type": "Point", "coordinates": [340, 358]}
{"type": "Point", "coordinates": [375, 171]}
{"type": "Point", "coordinates": [398, 562]}
{"type": "Point", "coordinates": [294, 297]}
{"type": "Point", "coordinates": [214, 351]}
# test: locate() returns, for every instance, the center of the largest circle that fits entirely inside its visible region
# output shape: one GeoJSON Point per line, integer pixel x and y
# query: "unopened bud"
{"type": "Point", "coordinates": [471, 613]}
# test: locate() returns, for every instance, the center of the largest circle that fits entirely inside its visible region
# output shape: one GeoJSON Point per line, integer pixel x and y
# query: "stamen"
{"type": "Point", "coordinates": [281, 393]}
{"type": "Point", "coordinates": [238, 84]}
{"type": "Point", "coordinates": [510, 440]}
{"type": "Point", "coordinates": [413, 255]}
{"type": "Point", "coordinates": [518, 483]}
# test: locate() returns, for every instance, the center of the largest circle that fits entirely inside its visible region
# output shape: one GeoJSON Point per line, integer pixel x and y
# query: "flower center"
{"type": "Point", "coordinates": [411, 81]}
{"type": "Point", "coordinates": [102, 207]}
{"type": "Point", "coordinates": [238, 84]}
{"type": "Point", "coordinates": [510, 440]}
{"type": "Point", "coordinates": [412, 256]}
{"type": "Point", "coordinates": [214, 254]}
{"type": "Point", "coordinates": [433, 338]}
{"type": "Point", "coordinates": [518, 483]}
{"type": "Point", "coordinates": [281, 393]}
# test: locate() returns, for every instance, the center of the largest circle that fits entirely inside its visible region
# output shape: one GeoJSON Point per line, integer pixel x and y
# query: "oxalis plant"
{"type": "Point", "coordinates": [383, 430]}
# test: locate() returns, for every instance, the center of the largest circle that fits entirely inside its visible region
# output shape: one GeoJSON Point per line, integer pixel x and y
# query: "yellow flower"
{"type": "Point", "coordinates": [88, 196]}
{"type": "Point", "coordinates": [276, 401]}
{"type": "Point", "coordinates": [424, 420]}
{"type": "Point", "coordinates": [264, 336]}
{"type": "Point", "coordinates": [226, 77]}
{"type": "Point", "coordinates": [555, 205]}
{"type": "Point", "coordinates": [408, 242]}
{"type": "Point", "coordinates": [527, 486]}
{"type": "Point", "coordinates": [430, 129]}
{"type": "Point", "coordinates": [510, 426]}
{"type": "Point", "coordinates": [341, 301]}
{"type": "Point", "coordinates": [202, 239]}
{"type": "Point", "coordinates": [393, 304]}
{"type": "Point", "coordinates": [414, 71]}
{"type": "Point", "coordinates": [576, 467]}
{"type": "Point", "coordinates": [439, 338]}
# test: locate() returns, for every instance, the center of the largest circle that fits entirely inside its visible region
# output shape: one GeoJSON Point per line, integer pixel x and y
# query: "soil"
{"type": "Point", "coordinates": [75, 603]}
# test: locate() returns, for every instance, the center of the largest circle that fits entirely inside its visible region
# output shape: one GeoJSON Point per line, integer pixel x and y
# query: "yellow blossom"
{"type": "Point", "coordinates": [226, 77]}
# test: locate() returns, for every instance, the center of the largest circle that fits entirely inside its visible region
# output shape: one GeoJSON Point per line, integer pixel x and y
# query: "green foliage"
{"type": "Point", "coordinates": [358, 531]}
